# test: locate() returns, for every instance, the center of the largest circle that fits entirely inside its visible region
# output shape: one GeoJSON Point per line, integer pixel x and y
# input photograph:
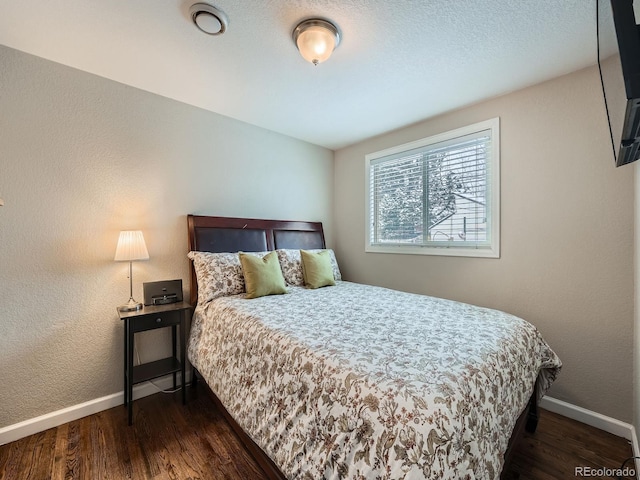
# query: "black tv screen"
{"type": "Point", "coordinates": [620, 36]}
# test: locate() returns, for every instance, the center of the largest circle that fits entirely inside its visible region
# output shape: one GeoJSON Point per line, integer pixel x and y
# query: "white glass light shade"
{"type": "Point", "coordinates": [316, 45]}
{"type": "Point", "coordinates": [131, 247]}
{"type": "Point", "coordinates": [316, 40]}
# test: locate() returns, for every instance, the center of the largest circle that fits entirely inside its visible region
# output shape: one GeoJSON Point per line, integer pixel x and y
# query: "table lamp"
{"type": "Point", "coordinates": [131, 247]}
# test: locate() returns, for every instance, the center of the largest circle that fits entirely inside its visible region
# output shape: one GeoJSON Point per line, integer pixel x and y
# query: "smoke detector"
{"type": "Point", "coordinates": [208, 18]}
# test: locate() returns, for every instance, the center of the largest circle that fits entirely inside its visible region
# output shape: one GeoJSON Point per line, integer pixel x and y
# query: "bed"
{"type": "Point", "coordinates": [355, 381]}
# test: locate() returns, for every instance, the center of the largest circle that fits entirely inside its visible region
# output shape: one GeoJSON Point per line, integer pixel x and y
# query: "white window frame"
{"type": "Point", "coordinates": [445, 248]}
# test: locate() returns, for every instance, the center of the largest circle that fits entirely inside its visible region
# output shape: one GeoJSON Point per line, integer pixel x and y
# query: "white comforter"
{"type": "Point", "coordinates": [355, 381]}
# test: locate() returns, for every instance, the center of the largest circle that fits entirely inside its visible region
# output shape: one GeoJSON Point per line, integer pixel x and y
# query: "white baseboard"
{"type": "Point", "coordinates": [636, 449]}
{"type": "Point", "coordinates": [54, 419]}
{"type": "Point", "coordinates": [608, 424]}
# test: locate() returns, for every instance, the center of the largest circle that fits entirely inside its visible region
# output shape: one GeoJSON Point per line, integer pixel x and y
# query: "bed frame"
{"type": "Point", "coordinates": [226, 234]}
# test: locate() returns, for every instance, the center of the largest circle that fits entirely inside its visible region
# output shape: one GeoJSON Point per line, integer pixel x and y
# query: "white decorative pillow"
{"type": "Point", "coordinates": [218, 274]}
{"type": "Point", "coordinates": [291, 265]}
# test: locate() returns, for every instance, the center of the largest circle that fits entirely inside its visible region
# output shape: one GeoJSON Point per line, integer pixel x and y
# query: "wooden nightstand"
{"type": "Point", "coordinates": [149, 318]}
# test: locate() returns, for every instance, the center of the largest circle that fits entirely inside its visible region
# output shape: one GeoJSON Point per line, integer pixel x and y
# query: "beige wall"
{"type": "Point", "coordinates": [82, 158]}
{"type": "Point", "coordinates": [566, 241]}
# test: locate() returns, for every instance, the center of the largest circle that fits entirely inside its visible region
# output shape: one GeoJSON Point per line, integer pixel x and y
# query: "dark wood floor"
{"type": "Point", "coordinates": [169, 441]}
{"type": "Point", "coordinates": [560, 444]}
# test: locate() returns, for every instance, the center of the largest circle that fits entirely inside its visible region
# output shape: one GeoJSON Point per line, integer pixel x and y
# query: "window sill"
{"type": "Point", "coordinates": [484, 252]}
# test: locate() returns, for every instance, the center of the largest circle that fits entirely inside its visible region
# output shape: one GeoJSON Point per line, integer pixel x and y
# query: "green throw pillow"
{"type": "Point", "coordinates": [262, 276]}
{"type": "Point", "coordinates": [316, 269]}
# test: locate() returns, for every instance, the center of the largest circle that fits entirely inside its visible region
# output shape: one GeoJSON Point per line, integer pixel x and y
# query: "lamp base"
{"type": "Point", "coordinates": [131, 306]}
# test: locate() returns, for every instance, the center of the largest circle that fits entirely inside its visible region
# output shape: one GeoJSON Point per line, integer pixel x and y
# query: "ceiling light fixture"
{"type": "Point", "coordinates": [209, 19]}
{"type": "Point", "coordinates": [316, 39]}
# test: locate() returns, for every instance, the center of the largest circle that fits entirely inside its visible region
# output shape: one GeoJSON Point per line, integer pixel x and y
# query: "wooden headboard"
{"type": "Point", "coordinates": [227, 234]}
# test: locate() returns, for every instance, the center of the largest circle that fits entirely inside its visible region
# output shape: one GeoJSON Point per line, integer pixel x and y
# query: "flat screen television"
{"type": "Point", "coordinates": [626, 134]}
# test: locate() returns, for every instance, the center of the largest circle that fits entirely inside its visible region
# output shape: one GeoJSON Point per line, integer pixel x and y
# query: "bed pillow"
{"type": "Point", "coordinates": [218, 274]}
{"type": "Point", "coordinates": [291, 265]}
{"type": "Point", "coordinates": [317, 269]}
{"type": "Point", "coordinates": [262, 276]}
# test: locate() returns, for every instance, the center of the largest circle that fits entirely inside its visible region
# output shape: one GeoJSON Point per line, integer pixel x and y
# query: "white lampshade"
{"type": "Point", "coordinates": [131, 247]}
{"type": "Point", "coordinates": [316, 39]}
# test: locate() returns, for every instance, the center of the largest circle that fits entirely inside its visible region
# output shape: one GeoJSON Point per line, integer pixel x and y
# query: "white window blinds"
{"type": "Point", "coordinates": [436, 193]}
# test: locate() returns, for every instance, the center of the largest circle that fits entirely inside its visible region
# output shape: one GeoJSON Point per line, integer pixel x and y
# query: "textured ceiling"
{"type": "Point", "coordinates": [399, 61]}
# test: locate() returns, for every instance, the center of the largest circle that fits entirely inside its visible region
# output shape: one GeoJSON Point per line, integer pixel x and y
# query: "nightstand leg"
{"type": "Point", "coordinates": [130, 338]}
{"type": "Point", "coordinates": [183, 355]}
{"type": "Point", "coordinates": [173, 347]}
{"type": "Point", "coordinates": [126, 362]}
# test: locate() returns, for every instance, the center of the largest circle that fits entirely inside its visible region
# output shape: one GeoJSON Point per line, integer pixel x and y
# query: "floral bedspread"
{"type": "Point", "coordinates": [355, 381]}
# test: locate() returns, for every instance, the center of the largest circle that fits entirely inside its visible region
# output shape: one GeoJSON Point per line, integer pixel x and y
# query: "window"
{"type": "Point", "coordinates": [438, 195]}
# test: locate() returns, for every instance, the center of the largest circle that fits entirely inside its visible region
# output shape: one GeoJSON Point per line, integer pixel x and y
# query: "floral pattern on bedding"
{"type": "Point", "coordinates": [357, 382]}
{"type": "Point", "coordinates": [218, 274]}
